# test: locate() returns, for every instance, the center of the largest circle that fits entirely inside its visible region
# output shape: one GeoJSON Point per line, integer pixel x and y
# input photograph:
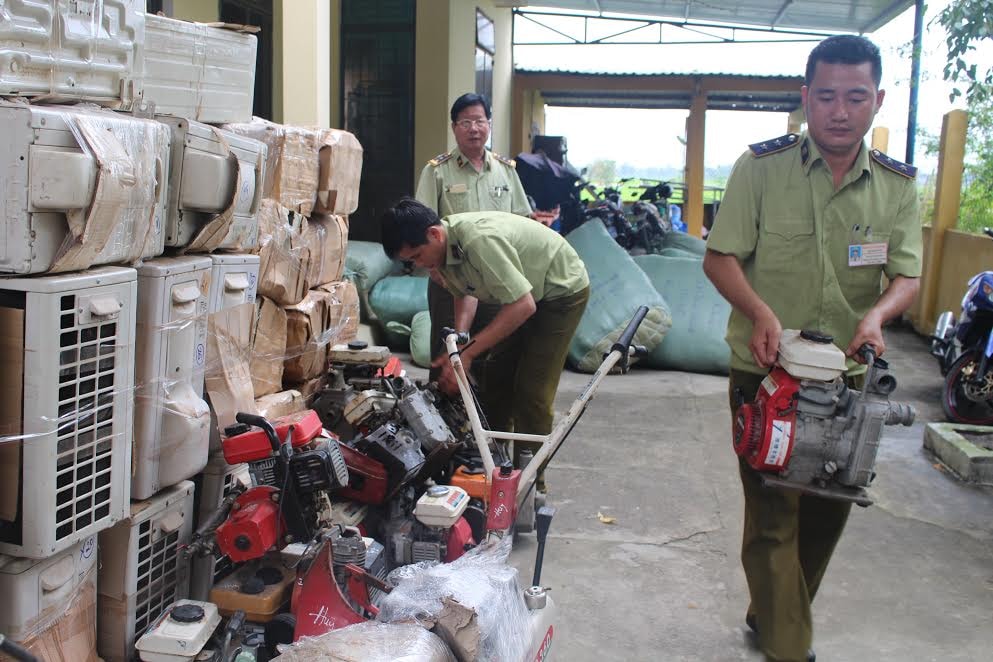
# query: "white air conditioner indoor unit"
{"type": "Point", "coordinates": [62, 211]}
{"type": "Point", "coordinates": [199, 72]}
{"type": "Point", "coordinates": [210, 170]}
{"type": "Point", "coordinates": [68, 393]}
{"type": "Point", "coordinates": [37, 592]}
{"type": "Point", "coordinates": [72, 50]}
{"type": "Point", "coordinates": [171, 433]}
{"type": "Point", "coordinates": [215, 483]}
{"type": "Point", "coordinates": [142, 569]}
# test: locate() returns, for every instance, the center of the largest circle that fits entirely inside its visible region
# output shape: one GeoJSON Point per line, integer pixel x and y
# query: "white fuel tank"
{"type": "Point", "coordinates": [810, 357]}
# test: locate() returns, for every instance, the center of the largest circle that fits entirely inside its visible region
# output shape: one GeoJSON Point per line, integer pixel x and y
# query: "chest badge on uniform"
{"type": "Point", "coordinates": [456, 188]}
{"type": "Point", "coordinates": [865, 255]}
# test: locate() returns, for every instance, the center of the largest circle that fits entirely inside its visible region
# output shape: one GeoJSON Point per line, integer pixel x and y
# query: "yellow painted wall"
{"type": "Point", "coordinates": [195, 10]}
{"type": "Point", "coordinates": [431, 99]}
{"type": "Point", "coordinates": [277, 62]}
{"type": "Point", "coordinates": [445, 57]}
{"type": "Point", "coordinates": [963, 255]}
{"type": "Point", "coordinates": [306, 25]}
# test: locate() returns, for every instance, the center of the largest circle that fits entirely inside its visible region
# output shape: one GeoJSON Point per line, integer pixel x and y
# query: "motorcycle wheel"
{"type": "Point", "coordinates": [958, 407]}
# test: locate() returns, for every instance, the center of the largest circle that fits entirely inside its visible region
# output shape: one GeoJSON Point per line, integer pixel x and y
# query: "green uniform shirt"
{"type": "Point", "coordinates": [498, 257]}
{"type": "Point", "coordinates": [794, 234]}
{"type": "Point", "coordinates": [450, 185]}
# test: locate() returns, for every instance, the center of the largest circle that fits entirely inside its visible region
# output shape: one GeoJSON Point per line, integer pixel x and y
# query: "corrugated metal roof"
{"type": "Point", "coordinates": [835, 16]}
{"type": "Point", "coordinates": [612, 90]}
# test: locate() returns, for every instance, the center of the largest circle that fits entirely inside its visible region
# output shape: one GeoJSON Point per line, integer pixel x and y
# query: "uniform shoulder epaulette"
{"type": "Point", "coordinates": [441, 158]}
{"type": "Point", "coordinates": [899, 167]}
{"type": "Point", "coordinates": [767, 147]}
{"type": "Point", "coordinates": [503, 159]}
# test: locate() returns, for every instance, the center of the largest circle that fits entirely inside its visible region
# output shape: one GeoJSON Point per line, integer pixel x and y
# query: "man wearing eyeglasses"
{"type": "Point", "coordinates": [469, 178]}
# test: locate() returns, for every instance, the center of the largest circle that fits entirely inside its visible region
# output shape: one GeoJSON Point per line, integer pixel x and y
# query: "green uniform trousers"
{"type": "Point", "coordinates": [441, 307]}
{"type": "Point", "coordinates": [519, 377]}
{"type": "Point", "coordinates": [786, 545]}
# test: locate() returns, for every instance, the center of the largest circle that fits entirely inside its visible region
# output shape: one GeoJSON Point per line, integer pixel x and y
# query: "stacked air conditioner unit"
{"type": "Point", "coordinates": [171, 418]}
{"type": "Point", "coordinates": [142, 569]}
{"type": "Point", "coordinates": [73, 50]}
{"type": "Point", "coordinates": [37, 593]}
{"type": "Point", "coordinates": [69, 373]}
{"type": "Point", "coordinates": [215, 187]}
{"type": "Point", "coordinates": [82, 188]}
{"type": "Point", "coordinates": [110, 52]}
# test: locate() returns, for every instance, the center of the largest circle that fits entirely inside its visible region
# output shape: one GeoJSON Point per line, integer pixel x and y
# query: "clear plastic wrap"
{"type": "Point", "coordinates": [292, 162]}
{"type": "Point", "coordinates": [328, 315]}
{"type": "Point", "coordinates": [72, 50]}
{"type": "Point", "coordinates": [340, 172]}
{"type": "Point", "coordinates": [229, 381]}
{"type": "Point", "coordinates": [98, 202]}
{"type": "Point", "coordinates": [200, 71]}
{"type": "Point", "coordinates": [280, 404]}
{"type": "Point", "coordinates": [327, 241]}
{"type": "Point", "coordinates": [69, 635]}
{"type": "Point", "coordinates": [474, 603]}
{"type": "Point", "coordinates": [268, 348]}
{"type": "Point", "coordinates": [284, 259]}
{"type": "Point", "coordinates": [370, 642]}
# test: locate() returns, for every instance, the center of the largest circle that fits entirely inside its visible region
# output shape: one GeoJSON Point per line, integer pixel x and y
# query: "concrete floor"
{"type": "Point", "coordinates": [911, 580]}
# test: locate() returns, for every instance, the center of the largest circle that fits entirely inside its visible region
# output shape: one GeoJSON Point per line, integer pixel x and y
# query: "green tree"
{"type": "Point", "coordinates": [602, 172]}
{"type": "Point", "coordinates": [969, 23]}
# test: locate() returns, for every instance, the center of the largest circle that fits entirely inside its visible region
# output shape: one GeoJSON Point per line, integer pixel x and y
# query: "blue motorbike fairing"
{"type": "Point", "coordinates": [989, 345]}
{"type": "Point", "coordinates": [978, 299]}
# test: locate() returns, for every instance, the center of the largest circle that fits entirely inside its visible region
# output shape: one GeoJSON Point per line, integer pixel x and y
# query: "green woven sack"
{"type": "Point", "coordinates": [398, 299]}
{"type": "Point", "coordinates": [617, 288]}
{"type": "Point", "coordinates": [366, 264]}
{"type": "Point", "coordinates": [686, 242]}
{"type": "Point", "coordinates": [695, 343]}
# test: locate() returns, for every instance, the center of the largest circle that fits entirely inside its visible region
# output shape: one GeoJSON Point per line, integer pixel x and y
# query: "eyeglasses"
{"type": "Point", "coordinates": [468, 124]}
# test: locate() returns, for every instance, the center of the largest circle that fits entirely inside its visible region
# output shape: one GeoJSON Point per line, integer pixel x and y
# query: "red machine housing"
{"type": "Point", "coordinates": [459, 538]}
{"type": "Point", "coordinates": [367, 479]}
{"type": "Point", "coordinates": [503, 499]}
{"type": "Point", "coordinates": [254, 445]}
{"type": "Point", "coordinates": [764, 430]}
{"type": "Point", "coordinates": [254, 526]}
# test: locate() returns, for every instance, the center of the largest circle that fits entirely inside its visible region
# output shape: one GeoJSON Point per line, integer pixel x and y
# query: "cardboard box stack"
{"type": "Point", "coordinates": [206, 243]}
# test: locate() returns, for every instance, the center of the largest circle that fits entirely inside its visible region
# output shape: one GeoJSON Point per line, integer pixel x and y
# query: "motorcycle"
{"type": "Point", "coordinates": [964, 348]}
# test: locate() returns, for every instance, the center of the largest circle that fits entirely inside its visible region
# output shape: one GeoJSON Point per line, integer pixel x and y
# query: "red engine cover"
{"type": "Point", "coordinates": [765, 429]}
{"type": "Point", "coordinates": [367, 481]}
{"type": "Point", "coordinates": [254, 445]}
{"type": "Point", "coordinates": [253, 527]}
{"type": "Point", "coordinates": [459, 536]}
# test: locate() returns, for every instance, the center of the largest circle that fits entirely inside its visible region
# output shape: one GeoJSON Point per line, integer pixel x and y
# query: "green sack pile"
{"type": "Point", "coordinates": [617, 288]}
{"type": "Point", "coordinates": [695, 343]}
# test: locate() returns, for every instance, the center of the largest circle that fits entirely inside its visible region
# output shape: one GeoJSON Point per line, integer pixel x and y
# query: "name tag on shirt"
{"type": "Point", "coordinates": [864, 255]}
{"type": "Point", "coordinates": [457, 188]}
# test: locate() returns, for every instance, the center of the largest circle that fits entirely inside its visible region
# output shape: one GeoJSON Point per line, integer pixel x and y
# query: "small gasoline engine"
{"type": "Point", "coordinates": [807, 430]}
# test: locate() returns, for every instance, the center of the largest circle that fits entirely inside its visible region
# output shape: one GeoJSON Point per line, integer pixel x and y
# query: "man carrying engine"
{"type": "Point", "coordinates": [535, 277]}
{"type": "Point", "coordinates": [808, 225]}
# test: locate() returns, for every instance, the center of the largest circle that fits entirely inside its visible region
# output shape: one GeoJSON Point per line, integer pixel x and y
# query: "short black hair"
{"type": "Point", "coordinates": [845, 49]}
{"type": "Point", "coordinates": [470, 99]}
{"type": "Point", "coordinates": [406, 223]}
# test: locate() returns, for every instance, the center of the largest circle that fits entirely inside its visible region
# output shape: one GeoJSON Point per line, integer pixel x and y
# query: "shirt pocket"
{"type": "Point", "coordinates": [863, 284]}
{"type": "Point", "coordinates": [498, 192]}
{"type": "Point", "coordinates": [786, 244]}
{"type": "Point", "coordinates": [455, 202]}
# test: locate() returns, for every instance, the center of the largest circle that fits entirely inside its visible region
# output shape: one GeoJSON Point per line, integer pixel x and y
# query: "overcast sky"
{"type": "Point", "coordinates": [646, 138]}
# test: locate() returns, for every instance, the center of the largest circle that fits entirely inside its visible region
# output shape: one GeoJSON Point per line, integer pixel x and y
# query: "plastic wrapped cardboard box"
{"type": "Point", "coordinates": [339, 172]}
